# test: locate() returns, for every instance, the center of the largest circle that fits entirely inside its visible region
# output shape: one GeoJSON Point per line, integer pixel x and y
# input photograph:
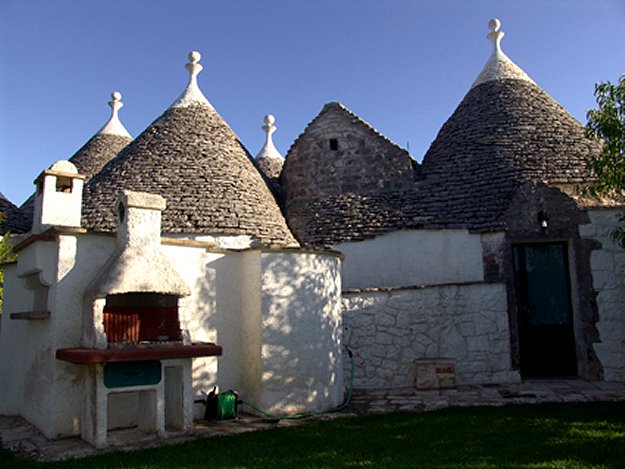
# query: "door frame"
{"type": "Point", "coordinates": [527, 332]}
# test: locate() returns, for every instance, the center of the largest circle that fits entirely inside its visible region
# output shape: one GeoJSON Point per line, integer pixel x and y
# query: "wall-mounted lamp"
{"type": "Point", "coordinates": [543, 220]}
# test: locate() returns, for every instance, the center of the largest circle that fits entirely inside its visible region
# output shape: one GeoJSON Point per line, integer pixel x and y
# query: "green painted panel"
{"type": "Point", "coordinates": [139, 373]}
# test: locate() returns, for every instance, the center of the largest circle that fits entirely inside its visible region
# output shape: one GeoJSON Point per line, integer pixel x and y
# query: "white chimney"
{"type": "Point", "coordinates": [138, 264]}
{"type": "Point", "coordinates": [58, 200]}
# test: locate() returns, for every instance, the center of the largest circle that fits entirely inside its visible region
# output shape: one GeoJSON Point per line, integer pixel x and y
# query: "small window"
{"type": "Point", "coordinates": [64, 184]}
{"type": "Point", "coordinates": [334, 144]}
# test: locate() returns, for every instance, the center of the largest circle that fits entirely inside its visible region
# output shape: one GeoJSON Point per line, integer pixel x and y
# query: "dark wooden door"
{"type": "Point", "coordinates": [546, 332]}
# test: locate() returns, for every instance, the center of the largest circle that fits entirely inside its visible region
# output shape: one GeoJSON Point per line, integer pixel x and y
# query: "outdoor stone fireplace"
{"type": "Point", "coordinates": [139, 361]}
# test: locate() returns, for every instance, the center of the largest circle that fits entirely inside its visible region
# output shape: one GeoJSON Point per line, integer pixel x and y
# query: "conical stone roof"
{"type": "Point", "coordinates": [510, 128]}
{"type": "Point", "coordinates": [104, 145]}
{"type": "Point", "coordinates": [505, 132]}
{"type": "Point", "coordinates": [191, 157]}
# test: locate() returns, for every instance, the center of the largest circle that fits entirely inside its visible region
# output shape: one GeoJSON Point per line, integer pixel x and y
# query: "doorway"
{"type": "Point", "coordinates": [546, 332]}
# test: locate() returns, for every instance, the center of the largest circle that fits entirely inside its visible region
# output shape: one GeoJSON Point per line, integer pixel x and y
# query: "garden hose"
{"type": "Point", "coordinates": [302, 415]}
{"type": "Point", "coordinates": [226, 406]}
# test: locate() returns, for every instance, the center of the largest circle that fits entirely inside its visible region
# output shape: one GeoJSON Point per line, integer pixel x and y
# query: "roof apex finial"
{"type": "Point", "coordinates": [269, 150]}
{"type": "Point", "coordinates": [499, 66]}
{"type": "Point", "coordinates": [114, 126]}
{"type": "Point", "coordinates": [115, 103]}
{"type": "Point", "coordinates": [269, 128]}
{"type": "Point", "coordinates": [192, 94]}
{"type": "Point", "coordinates": [495, 34]}
{"type": "Point", "coordinates": [194, 66]}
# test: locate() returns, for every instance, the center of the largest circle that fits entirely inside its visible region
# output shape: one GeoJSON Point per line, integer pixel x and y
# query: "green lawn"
{"type": "Point", "coordinates": [551, 435]}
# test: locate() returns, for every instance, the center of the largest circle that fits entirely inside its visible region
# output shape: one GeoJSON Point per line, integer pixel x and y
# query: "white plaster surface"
{"type": "Point", "coordinates": [302, 367]}
{"type": "Point", "coordinates": [54, 207]}
{"type": "Point", "coordinates": [388, 330]}
{"type": "Point", "coordinates": [138, 264]}
{"type": "Point", "coordinates": [262, 307]}
{"type": "Point", "coordinates": [202, 312]}
{"type": "Point", "coordinates": [608, 271]}
{"type": "Point", "coordinates": [250, 327]}
{"type": "Point", "coordinates": [221, 242]}
{"type": "Point", "coordinates": [407, 258]}
{"type": "Point", "coordinates": [63, 166]}
{"type": "Point", "coordinates": [40, 259]}
{"type": "Point", "coordinates": [276, 314]}
{"type": "Point", "coordinates": [150, 408]}
{"type": "Point", "coordinates": [33, 383]}
{"type": "Point", "coordinates": [16, 355]}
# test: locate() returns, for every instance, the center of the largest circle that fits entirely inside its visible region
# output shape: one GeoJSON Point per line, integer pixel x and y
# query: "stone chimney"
{"type": "Point", "coordinates": [137, 272]}
{"type": "Point", "coordinates": [138, 265]}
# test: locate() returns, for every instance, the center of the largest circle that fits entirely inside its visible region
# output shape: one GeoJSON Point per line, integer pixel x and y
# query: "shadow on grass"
{"type": "Point", "coordinates": [550, 435]}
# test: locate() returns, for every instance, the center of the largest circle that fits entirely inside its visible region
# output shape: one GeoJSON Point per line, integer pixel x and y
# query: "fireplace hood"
{"type": "Point", "coordinates": [138, 265]}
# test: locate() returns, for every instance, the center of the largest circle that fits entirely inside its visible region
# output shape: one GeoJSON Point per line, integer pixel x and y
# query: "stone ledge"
{"type": "Point", "coordinates": [37, 315]}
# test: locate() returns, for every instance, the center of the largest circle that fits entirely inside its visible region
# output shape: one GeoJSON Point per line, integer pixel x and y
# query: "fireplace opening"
{"type": "Point", "coordinates": [141, 319]}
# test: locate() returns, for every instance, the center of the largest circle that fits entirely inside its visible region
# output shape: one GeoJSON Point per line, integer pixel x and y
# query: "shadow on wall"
{"type": "Point", "coordinates": [277, 316]}
{"type": "Point", "coordinates": [202, 324]}
{"type": "Point", "coordinates": [301, 336]}
{"type": "Point", "coordinates": [215, 312]}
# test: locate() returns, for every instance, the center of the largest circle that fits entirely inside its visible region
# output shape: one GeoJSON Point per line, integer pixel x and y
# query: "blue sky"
{"type": "Point", "coordinates": [403, 66]}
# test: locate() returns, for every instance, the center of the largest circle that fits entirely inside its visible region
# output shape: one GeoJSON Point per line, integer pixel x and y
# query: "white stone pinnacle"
{"type": "Point", "coordinates": [269, 150]}
{"type": "Point", "coordinates": [499, 65]}
{"type": "Point", "coordinates": [495, 34]}
{"type": "Point", "coordinates": [114, 126]}
{"type": "Point", "coordinates": [192, 95]}
{"type": "Point", "coordinates": [269, 128]}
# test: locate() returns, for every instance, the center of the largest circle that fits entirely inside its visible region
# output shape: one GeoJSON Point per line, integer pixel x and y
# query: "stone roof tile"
{"type": "Point", "coordinates": [13, 218]}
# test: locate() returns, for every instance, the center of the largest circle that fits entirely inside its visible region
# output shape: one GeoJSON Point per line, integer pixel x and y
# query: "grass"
{"type": "Point", "coordinates": [540, 436]}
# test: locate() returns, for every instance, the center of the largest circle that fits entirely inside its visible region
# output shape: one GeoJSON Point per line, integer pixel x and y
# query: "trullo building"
{"type": "Point", "coordinates": [184, 263]}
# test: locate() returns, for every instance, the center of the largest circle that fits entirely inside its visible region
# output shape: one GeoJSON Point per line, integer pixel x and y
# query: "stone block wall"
{"type": "Point", "coordinates": [339, 153]}
{"type": "Point", "coordinates": [607, 266]}
{"type": "Point", "coordinates": [389, 329]}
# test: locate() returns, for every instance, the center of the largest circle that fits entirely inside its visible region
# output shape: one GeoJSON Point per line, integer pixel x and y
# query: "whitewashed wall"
{"type": "Point", "coordinates": [387, 330]}
{"type": "Point", "coordinates": [33, 383]}
{"type": "Point", "coordinates": [608, 271]}
{"type": "Point", "coordinates": [277, 316]}
{"type": "Point", "coordinates": [17, 355]}
{"type": "Point", "coordinates": [406, 258]}
{"type": "Point", "coordinates": [302, 368]}
{"type": "Point", "coordinates": [259, 305]}
{"type": "Point", "coordinates": [206, 273]}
